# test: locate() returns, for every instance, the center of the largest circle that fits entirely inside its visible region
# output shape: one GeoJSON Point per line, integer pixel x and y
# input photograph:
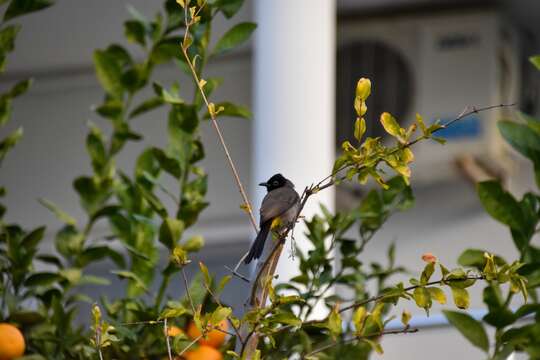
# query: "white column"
{"type": "Point", "coordinates": [294, 102]}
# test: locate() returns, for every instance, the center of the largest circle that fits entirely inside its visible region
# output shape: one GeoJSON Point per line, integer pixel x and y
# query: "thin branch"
{"type": "Point", "coordinates": [98, 341]}
{"type": "Point", "coordinates": [405, 330]}
{"type": "Point", "coordinates": [211, 111]}
{"type": "Point", "coordinates": [166, 332]}
{"type": "Point", "coordinates": [407, 289]}
{"type": "Point", "coordinates": [150, 322]}
{"type": "Point", "coordinates": [190, 345]}
{"type": "Point", "coordinates": [187, 290]}
{"type": "Point", "coordinates": [465, 113]}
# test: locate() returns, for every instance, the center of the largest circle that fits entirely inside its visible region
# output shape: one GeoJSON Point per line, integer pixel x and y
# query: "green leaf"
{"type": "Point", "coordinates": [153, 201]}
{"type": "Point", "coordinates": [206, 275]}
{"type": "Point", "coordinates": [237, 35]}
{"type": "Point", "coordinates": [461, 298]}
{"type": "Point", "coordinates": [469, 327]}
{"type": "Point", "coordinates": [7, 38]}
{"type": "Point", "coordinates": [521, 138]}
{"type": "Point", "coordinates": [500, 204]}
{"type": "Point", "coordinates": [73, 275]}
{"type": "Point", "coordinates": [23, 7]}
{"type": "Point", "coordinates": [32, 239]}
{"type": "Point", "coordinates": [42, 279]}
{"type": "Point", "coordinates": [60, 214]}
{"type": "Point", "coordinates": [535, 60]}
{"type": "Point", "coordinates": [286, 318]}
{"type": "Point", "coordinates": [171, 312]}
{"type": "Point", "coordinates": [9, 142]}
{"type": "Point", "coordinates": [375, 346]}
{"type": "Point", "coordinates": [147, 105]}
{"type": "Point", "coordinates": [5, 110]}
{"type": "Point", "coordinates": [472, 258]}
{"type": "Point", "coordinates": [426, 274]}
{"type": "Point", "coordinates": [197, 290]}
{"type": "Point", "coordinates": [334, 323]}
{"type": "Point", "coordinates": [96, 253]}
{"type": "Point", "coordinates": [170, 232]}
{"type": "Point", "coordinates": [165, 50]}
{"type": "Point", "coordinates": [194, 243]}
{"type": "Point", "coordinates": [167, 163]}
{"type": "Point", "coordinates": [109, 73]}
{"type": "Point", "coordinates": [229, 7]}
{"type": "Point", "coordinates": [170, 97]}
{"type": "Point", "coordinates": [220, 314]}
{"type": "Point", "coordinates": [20, 88]}
{"type": "Point", "coordinates": [135, 32]}
{"type": "Point", "coordinates": [223, 282]}
{"type": "Point", "coordinates": [94, 280]}
{"type": "Point", "coordinates": [124, 274]}
{"type": "Point", "coordinates": [68, 241]}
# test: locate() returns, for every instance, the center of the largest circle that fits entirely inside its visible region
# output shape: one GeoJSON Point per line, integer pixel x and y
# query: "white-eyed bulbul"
{"type": "Point", "coordinates": [278, 210]}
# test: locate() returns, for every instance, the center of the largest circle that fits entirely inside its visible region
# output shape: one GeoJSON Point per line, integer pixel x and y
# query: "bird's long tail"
{"type": "Point", "coordinates": [258, 245]}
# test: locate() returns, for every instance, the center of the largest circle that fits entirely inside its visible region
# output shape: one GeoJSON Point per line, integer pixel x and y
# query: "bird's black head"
{"type": "Point", "coordinates": [275, 182]}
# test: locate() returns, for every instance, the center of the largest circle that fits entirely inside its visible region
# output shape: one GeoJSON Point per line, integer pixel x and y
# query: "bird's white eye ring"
{"type": "Point", "coordinates": [275, 183]}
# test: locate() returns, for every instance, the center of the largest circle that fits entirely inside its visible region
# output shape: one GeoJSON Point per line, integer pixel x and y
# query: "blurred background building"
{"type": "Point", "coordinates": [431, 57]}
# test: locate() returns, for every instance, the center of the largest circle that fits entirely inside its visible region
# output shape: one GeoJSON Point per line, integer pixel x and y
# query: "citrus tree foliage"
{"type": "Point", "coordinates": [137, 209]}
{"type": "Point", "coordinates": [516, 328]}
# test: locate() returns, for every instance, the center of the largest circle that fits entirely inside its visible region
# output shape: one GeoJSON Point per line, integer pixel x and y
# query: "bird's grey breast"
{"type": "Point", "coordinates": [280, 202]}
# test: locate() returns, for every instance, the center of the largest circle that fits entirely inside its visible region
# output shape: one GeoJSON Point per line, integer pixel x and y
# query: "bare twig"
{"type": "Point", "coordinates": [98, 341]}
{"type": "Point", "coordinates": [407, 289]}
{"type": "Point", "coordinates": [211, 111]}
{"type": "Point", "coordinates": [190, 345]}
{"type": "Point", "coordinates": [187, 290]}
{"type": "Point", "coordinates": [405, 330]}
{"type": "Point", "coordinates": [166, 332]}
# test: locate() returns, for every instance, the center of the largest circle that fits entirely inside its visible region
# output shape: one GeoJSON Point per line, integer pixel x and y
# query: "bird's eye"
{"type": "Point", "coordinates": [275, 183]}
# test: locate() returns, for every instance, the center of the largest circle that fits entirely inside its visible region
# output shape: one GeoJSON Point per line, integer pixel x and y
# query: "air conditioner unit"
{"type": "Point", "coordinates": [434, 64]}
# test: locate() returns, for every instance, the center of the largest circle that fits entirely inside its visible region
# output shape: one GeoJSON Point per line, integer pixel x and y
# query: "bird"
{"type": "Point", "coordinates": [278, 210]}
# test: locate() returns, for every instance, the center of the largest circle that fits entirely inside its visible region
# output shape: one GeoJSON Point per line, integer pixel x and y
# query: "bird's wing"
{"type": "Point", "coordinates": [277, 202]}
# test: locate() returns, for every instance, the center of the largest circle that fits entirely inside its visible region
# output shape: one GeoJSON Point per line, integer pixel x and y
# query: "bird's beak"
{"type": "Point", "coordinates": [263, 184]}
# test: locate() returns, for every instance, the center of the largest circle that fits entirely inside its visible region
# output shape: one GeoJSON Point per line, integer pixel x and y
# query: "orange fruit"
{"type": "Point", "coordinates": [215, 338]}
{"type": "Point", "coordinates": [11, 342]}
{"type": "Point", "coordinates": [203, 352]}
{"type": "Point", "coordinates": [172, 331]}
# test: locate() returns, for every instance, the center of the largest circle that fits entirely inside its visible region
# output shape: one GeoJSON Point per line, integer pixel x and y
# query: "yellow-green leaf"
{"type": "Point", "coordinates": [194, 243]}
{"type": "Point", "coordinates": [390, 124]}
{"type": "Point", "coordinates": [207, 277]}
{"type": "Point", "coordinates": [421, 123]}
{"type": "Point", "coordinates": [375, 346]}
{"type": "Point", "coordinates": [363, 88]}
{"type": "Point", "coordinates": [359, 319]}
{"type": "Point", "coordinates": [360, 106]}
{"type": "Point", "coordinates": [179, 256]}
{"type": "Point", "coordinates": [359, 128]}
{"type": "Point", "coordinates": [461, 298]}
{"type": "Point", "coordinates": [405, 317]}
{"type": "Point", "coordinates": [437, 294]}
{"type": "Point", "coordinates": [422, 298]}
{"type": "Point", "coordinates": [334, 323]}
